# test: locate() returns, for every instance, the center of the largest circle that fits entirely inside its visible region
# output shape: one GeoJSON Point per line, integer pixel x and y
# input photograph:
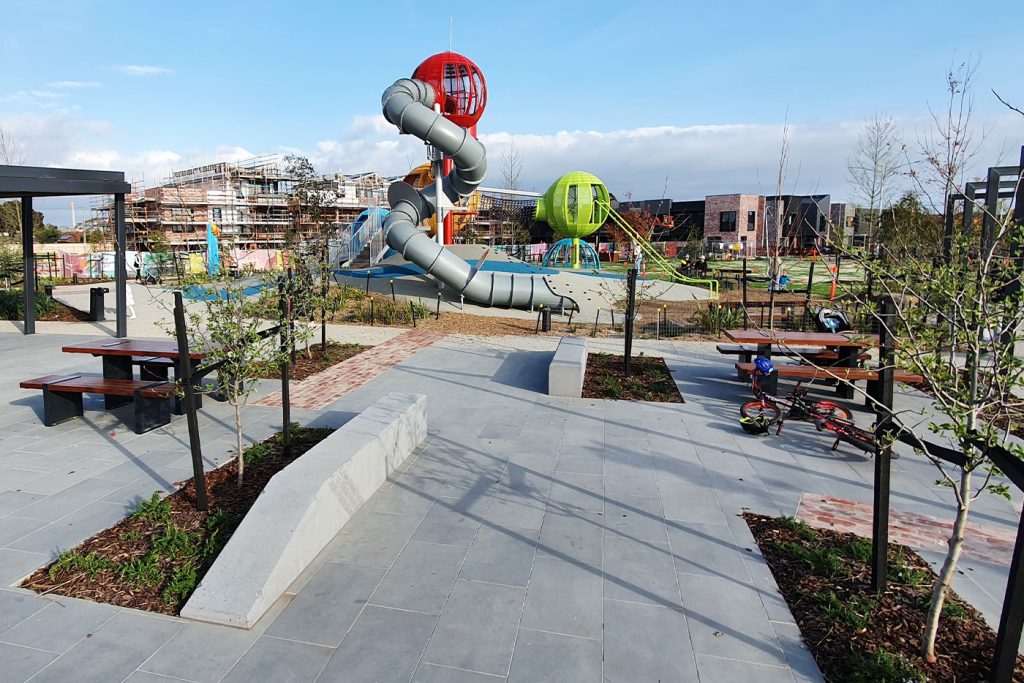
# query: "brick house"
{"type": "Point", "coordinates": [732, 219]}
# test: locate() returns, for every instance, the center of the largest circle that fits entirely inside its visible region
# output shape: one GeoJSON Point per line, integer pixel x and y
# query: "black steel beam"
{"type": "Point", "coordinates": [120, 267]}
{"type": "Point", "coordinates": [988, 223]}
{"type": "Point", "coordinates": [883, 447]}
{"type": "Point", "coordinates": [46, 187]}
{"type": "Point", "coordinates": [28, 265]}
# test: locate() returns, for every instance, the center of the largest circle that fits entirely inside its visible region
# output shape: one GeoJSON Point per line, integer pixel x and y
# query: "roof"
{"type": "Point", "coordinates": [38, 181]}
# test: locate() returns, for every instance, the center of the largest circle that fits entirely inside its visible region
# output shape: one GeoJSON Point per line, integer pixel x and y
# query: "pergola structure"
{"type": "Point", "coordinates": [28, 182]}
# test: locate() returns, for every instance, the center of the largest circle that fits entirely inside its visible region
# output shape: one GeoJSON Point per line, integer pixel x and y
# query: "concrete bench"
{"type": "Point", "coordinates": [303, 507]}
{"type": "Point", "coordinates": [568, 365]}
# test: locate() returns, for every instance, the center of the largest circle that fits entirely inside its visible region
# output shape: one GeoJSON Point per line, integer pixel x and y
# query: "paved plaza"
{"type": "Point", "coordinates": [531, 538]}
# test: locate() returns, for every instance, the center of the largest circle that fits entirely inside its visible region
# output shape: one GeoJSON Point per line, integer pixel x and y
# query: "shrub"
{"type": "Point", "coordinates": [716, 318]}
{"type": "Point", "coordinates": [12, 304]}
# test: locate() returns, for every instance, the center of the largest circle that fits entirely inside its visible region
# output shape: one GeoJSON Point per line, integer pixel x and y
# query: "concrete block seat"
{"type": "Point", "coordinates": [303, 507]}
{"type": "Point", "coordinates": [567, 368]}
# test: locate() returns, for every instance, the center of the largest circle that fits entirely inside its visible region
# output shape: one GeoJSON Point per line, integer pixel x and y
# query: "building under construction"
{"type": "Point", "coordinates": [254, 203]}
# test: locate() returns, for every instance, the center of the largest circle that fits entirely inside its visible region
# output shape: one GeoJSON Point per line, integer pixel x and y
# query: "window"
{"type": "Point", "coordinates": [751, 221]}
{"type": "Point", "coordinates": [727, 221]}
{"type": "Point", "coordinates": [216, 214]}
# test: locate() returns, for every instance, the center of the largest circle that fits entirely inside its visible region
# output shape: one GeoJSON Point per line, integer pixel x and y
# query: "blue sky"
{"type": "Point", "coordinates": [680, 98]}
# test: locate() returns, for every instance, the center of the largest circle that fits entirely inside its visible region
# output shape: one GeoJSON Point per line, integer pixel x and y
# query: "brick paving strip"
{"type": "Point", "coordinates": [987, 543]}
{"type": "Point", "coordinates": [325, 387]}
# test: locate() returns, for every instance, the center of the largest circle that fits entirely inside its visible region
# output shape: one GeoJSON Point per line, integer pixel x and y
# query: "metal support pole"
{"type": "Point", "coordinates": [393, 298]}
{"type": "Point", "coordinates": [28, 265]}
{"type": "Point", "coordinates": [746, 318]}
{"type": "Point", "coordinates": [286, 407]}
{"type": "Point", "coordinates": [948, 230]}
{"type": "Point", "coordinates": [883, 448]}
{"type": "Point", "coordinates": [988, 223]}
{"type": "Point", "coordinates": [1011, 620]}
{"type": "Point", "coordinates": [120, 268]}
{"type": "Point", "coordinates": [185, 378]}
{"type": "Point", "coordinates": [630, 315]}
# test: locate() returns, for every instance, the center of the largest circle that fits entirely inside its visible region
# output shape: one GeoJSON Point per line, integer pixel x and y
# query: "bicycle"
{"type": "Point", "coordinates": [767, 410]}
{"type": "Point", "coordinates": [847, 432]}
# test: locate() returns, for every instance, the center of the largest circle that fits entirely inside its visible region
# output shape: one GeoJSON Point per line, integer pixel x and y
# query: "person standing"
{"type": "Point", "coordinates": [638, 257]}
{"type": "Point", "coordinates": [129, 300]}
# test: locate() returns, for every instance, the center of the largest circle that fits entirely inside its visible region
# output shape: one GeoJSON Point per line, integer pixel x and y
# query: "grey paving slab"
{"type": "Point", "coordinates": [15, 478]}
{"type": "Point", "coordinates": [66, 477]}
{"type": "Point", "coordinates": [114, 651]}
{"type": "Point", "coordinates": [723, 669]}
{"type": "Point", "coordinates": [727, 619]}
{"type": "Point", "coordinates": [564, 597]}
{"type": "Point", "coordinates": [707, 549]}
{"type": "Point", "coordinates": [200, 652]}
{"type": "Point", "coordinates": [16, 606]}
{"type": "Point", "coordinates": [581, 459]}
{"type": "Point", "coordinates": [578, 537]}
{"type": "Point", "coordinates": [477, 630]}
{"type": "Point", "coordinates": [17, 564]}
{"type": "Point", "coordinates": [640, 571]}
{"type": "Point", "coordinates": [70, 530]}
{"type": "Point", "coordinates": [555, 658]}
{"type": "Point", "coordinates": [52, 508]}
{"type": "Point", "coordinates": [510, 509]}
{"type": "Point", "coordinates": [421, 578]}
{"type": "Point", "coordinates": [454, 521]}
{"type": "Point", "coordinates": [13, 527]}
{"type": "Point", "coordinates": [635, 517]}
{"type": "Point", "coordinates": [433, 673]}
{"type": "Point", "coordinates": [21, 663]}
{"type": "Point", "coordinates": [401, 500]}
{"type": "Point", "coordinates": [146, 677]}
{"type": "Point", "coordinates": [798, 655]}
{"type": "Point", "coordinates": [274, 659]}
{"type": "Point", "coordinates": [13, 501]}
{"type": "Point", "coordinates": [501, 555]}
{"type": "Point", "coordinates": [60, 625]}
{"type": "Point", "coordinates": [646, 643]}
{"type": "Point", "coordinates": [571, 492]}
{"type": "Point", "coordinates": [691, 503]}
{"type": "Point", "coordinates": [384, 645]}
{"type": "Point", "coordinates": [327, 605]}
{"type": "Point", "coordinates": [374, 540]}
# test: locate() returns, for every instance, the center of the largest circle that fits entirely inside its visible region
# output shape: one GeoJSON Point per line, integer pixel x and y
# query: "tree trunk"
{"type": "Point", "coordinates": [945, 579]}
{"type": "Point", "coordinates": [238, 441]}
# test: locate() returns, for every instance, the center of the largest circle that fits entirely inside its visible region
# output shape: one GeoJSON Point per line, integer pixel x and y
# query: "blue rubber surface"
{"type": "Point", "coordinates": [204, 293]}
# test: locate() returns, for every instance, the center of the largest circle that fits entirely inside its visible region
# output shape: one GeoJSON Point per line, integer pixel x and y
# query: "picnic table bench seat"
{"type": "Point", "coordinates": [810, 373]}
{"type": "Point", "coordinates": [62, 397]}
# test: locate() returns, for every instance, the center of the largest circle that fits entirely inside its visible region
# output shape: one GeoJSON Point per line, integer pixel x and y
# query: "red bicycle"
{"type": "Point", "coordinates": [768, 410]}
{"type": "Point", "coordinates": [847, 432]}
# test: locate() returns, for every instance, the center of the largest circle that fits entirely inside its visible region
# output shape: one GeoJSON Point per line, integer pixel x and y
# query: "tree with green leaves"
{"type": "Point", "coordinates": [909, 226]}
{"type": "Point", "coordinates": [956, 323]}
{"type": "Point", "coordinates": [10, 219]}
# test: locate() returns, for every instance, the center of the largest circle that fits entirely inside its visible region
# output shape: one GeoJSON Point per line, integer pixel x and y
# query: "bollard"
{"type": "Point", "coordinates": [540, 314]}
{"type": "Point", "coordinates": [597, 316]}
{"type": "Point", "coordinates": [393, 290]}
{"type": "Point", "coordinates": [545, 316]}
{"type": "Point", "coordinates": [412, 312]}
{"type": "Point", "coordinates": [437, 316]}
{"type": "Point", "coordinates": [367, 282]}
{"type": "Point", "coordinates": [371, 312]}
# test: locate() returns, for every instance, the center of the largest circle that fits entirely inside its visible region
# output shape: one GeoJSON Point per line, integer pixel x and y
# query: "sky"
{"type": "Point", "coordinates": [658, 99]}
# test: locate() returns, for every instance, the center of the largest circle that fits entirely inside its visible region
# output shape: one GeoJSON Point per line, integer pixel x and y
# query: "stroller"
{"type": "Point", "coordinates": [832, 320]}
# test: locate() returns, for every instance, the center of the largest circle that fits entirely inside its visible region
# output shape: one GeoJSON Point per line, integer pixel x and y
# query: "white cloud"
{"type": "Point", "coordinates": [74, 85]}
{"type": "Point", "coordinates": [231, 153]}
{"type": "Point", "coordinates": [141, 70]}
{"type": "Point", "coordinates": [33, 98]}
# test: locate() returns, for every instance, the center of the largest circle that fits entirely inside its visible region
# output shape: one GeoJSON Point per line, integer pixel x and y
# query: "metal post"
{"type": "Point", "coordinates": [1011, 620]}
{"type": "Point", "coordinates": [185, 378]}
{"type": "Point", "coordinates": [120, 268]}
{"type": "Point", "coordinates": [437, 316]}
{"type": "Point", "coordinates": [28, 264]}
{"type": "Point", "coordinates": [883, 447]}
{"type": "Point", "coordinates": [630, 315]}
{"type": "Point", "coordinates": [746, 318]}
{"type": "Point", "coordinates": [412, 313]}
{"type": "Point", "coordinates": [393, 298]}
{"type": "Point", "coordinates": [947, 233]}
{"type": "Point", "coordinates": [286, 408]}
{"type": "Point", "coordinates": [291, 316]}
{"type": "Point", "coordinates": [367, 282]}
{"type": "Point", "coordinates": [988, 223]}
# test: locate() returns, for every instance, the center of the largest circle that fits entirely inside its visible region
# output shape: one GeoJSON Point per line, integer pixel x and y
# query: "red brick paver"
{"type": "Point", "coordinates": [986, 543]}
{"type": "Point", "coordinates": [325, 387]}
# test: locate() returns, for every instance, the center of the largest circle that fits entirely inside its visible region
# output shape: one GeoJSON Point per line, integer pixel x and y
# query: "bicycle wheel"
{"type": "Point", "coordinates": [753, 409]}
{"type": "Point", "coordinates": [831, 409]}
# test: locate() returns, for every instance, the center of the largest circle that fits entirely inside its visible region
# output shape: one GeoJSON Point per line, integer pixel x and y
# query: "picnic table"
{"type": "Point", "coordinates": [848, 346]}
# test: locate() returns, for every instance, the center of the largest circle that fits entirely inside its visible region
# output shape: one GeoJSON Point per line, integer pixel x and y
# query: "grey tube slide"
{"type": "Point", "coordinates": [408, 104]}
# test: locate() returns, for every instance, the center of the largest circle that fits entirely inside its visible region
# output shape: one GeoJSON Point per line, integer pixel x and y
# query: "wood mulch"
{"type": "Point", "coordinates": [132, 539]}
{"type": "Point", "coordinates": [65, 314]}
{"type": "Point", "coordinates": [314, 361]}
{"type": "Point", "coordinates": [649, 379]}
{"type": "Point", "coordinates": [856, 634]}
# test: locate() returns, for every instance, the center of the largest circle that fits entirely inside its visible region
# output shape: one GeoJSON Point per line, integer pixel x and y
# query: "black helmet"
{"type": "Point", "coordinates": [755, 424]}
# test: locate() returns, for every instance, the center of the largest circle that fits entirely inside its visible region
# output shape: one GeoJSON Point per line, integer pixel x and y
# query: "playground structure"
{"type": "Point", "coordinates": [441, 105]}
{"type": "Point", "coordinates": [571, 253]}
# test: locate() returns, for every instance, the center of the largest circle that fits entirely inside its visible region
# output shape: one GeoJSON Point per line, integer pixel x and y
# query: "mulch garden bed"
{"type": "Point", "coordinates": [316, 360]}
{"type": "Point", "coordinates": [153, 559]}
{"type": "Point", "coordinates": [65, 314]}
{"type": "Point", "coordinates": [649, 379]}
{"type": "Point", "coordinates": [856, 634]}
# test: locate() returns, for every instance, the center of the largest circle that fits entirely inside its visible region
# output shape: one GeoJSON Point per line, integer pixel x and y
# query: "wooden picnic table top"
{"type": "Point", "coordinates": [802, 338]}
{"type": "Point", "coordinates": [131, 347]}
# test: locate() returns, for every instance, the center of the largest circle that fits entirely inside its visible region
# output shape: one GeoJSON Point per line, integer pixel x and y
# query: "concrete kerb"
{"type": "Point", "coordinates": [303, 507]}
{"type": "Point", "coordinates": [567, 368]}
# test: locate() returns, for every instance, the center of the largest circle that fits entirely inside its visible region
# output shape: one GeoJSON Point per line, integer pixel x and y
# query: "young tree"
{"type": "Point", "coordinates": [874, 165]}
{"type": "Point", "coordinates": [956, 323]}
{"type": "Point", "coordinates": [229, 325]}
{"type": "Point", "coordinates": [511, 165]}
